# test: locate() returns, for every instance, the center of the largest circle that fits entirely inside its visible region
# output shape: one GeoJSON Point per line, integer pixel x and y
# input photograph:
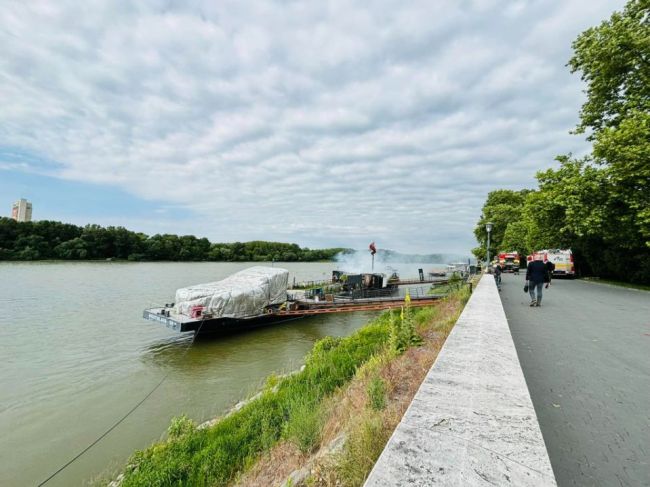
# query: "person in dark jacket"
{"type": "Point", "coordinates": [550, 267]}
{"type": "Point", "coordinates": [497, 275]}
{"type": "Point", "coordinates": [536, 275]}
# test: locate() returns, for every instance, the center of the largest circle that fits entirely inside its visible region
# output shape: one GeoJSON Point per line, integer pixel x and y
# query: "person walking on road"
{"type": "Point", "coordinates": [550, 267]}
{"type": "Point", "coordinates": [536, 276]}
{"type": "Point", "coordinates": [497, 275]}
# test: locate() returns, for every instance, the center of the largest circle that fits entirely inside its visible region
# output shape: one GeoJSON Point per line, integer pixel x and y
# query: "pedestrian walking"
{"type": "Point", "coordinates": [550, 267]}
{"type": "Point", "coordinates": [497, 275]}
{"type": "Point", "coordinates": [536, 276]}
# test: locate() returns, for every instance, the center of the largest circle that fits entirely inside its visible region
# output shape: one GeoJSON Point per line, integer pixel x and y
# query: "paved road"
{"type": "Point", "coordinates": [586, 358]}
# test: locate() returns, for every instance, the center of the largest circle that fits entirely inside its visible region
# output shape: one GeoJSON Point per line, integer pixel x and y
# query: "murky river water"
{"type": "Point", "coordinates": [75, 356]}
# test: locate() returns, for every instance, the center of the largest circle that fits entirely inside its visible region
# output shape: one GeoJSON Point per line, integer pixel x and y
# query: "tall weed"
{"type": "Point", "coordinates": [377, 393]}
{"type": "Point", "coordinates": [367, 440]}
{"type": "Point", "coordinates": [304, 425]}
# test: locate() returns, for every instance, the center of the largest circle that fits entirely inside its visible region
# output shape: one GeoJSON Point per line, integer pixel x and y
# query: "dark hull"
{"type": "Point", "coordinates": [229, 326]}
{"type": "Point", "coordinates": [218, 326]}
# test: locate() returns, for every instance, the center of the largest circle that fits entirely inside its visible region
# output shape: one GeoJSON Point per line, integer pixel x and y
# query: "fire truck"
{"type": "Point", "coordinates": [563, 261]}
{"type": "Point", "coordinates": [509, 261]}
{"type": "Point", "coordinates": [561, 258]}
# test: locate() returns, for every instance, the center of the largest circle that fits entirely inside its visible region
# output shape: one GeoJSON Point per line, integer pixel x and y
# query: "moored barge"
{"type": "Point", "coordinates": [258, 297]}
{"type": "Point", "coordinates": [207, 325]}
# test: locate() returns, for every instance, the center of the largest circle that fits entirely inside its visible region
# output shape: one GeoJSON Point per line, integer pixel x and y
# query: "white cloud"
{"type": "Point", "coordinates": [322, 123]}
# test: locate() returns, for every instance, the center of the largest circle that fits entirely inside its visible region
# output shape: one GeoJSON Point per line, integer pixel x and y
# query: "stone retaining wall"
{"type": "Point", "coordinates": [472, 421]}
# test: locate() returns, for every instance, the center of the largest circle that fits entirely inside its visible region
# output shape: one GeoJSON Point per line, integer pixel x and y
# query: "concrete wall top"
{"type": "Point", "coordinates": [472, 422]}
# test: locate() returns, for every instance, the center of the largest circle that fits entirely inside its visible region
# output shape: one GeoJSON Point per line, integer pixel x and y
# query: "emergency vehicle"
{"type": "Point", "coordinates": [509, 261]}
{"type": "Point", "coordinates": [561, 258]}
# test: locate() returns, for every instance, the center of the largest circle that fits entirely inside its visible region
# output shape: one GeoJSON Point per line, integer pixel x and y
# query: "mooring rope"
{"type": "Point", "coordinates": [117, 423]}
{"type": "Point", "coordinates": [132, 410]}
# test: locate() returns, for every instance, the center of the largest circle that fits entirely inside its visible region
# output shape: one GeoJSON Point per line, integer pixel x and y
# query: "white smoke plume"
{"type": "Point", "coordinates": [387, 262]}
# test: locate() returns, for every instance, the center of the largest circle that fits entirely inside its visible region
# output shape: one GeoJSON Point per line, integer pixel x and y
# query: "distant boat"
{"type": "Point", "coordinates": [437, 273]}
{"type": "Point", "coordinates": [461, 268]}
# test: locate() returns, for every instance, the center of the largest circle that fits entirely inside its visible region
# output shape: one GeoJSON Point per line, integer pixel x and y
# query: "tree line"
{"type": "Point", "coordinates": [55, 240]}
{"type": "Point", "coordinates": [598, 205]}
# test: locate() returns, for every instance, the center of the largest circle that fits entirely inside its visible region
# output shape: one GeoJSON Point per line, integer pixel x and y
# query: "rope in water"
{"type": "Point", "coordinates": [117, 423]}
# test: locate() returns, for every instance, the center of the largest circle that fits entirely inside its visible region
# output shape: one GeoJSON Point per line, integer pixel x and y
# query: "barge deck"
{"type": "Point", "coordinates": [207, 325]}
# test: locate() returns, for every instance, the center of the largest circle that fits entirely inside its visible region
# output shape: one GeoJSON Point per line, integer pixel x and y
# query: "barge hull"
{"type": "Point", "coordinates": [214, 326]}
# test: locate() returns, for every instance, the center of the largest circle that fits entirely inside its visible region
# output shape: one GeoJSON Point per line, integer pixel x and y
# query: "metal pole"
{"type": "Point", "coordinates": [373, 264]}
{"type": "Point", "coordinates": [488, 250]}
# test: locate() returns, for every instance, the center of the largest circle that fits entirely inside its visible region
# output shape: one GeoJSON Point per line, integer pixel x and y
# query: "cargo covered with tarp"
{"type": "Point", "coordinates": [244, 294]}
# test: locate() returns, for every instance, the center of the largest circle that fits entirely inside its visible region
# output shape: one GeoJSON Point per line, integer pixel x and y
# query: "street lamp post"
{"type": "Point", "coordinates": [488, 227]}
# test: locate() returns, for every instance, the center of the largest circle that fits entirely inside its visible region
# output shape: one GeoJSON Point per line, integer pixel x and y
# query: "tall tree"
{"type": "Point", "coordinates": [501, 208]}
{"type": "Point", "coordinates": [614, 61]}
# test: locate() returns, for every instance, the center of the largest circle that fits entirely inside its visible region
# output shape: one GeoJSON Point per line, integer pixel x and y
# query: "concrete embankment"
{"type": "Point", "coordinates": [472, 421]}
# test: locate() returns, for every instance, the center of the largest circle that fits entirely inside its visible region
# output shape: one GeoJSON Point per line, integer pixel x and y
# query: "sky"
{"type": "Point", "coordinates": [329, 123]}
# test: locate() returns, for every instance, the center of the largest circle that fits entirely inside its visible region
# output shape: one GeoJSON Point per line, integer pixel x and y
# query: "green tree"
{"type": "Point", "coordinates": [515, 238]}
{"type": "Point", "coordinates": [50, 239]}
{"type": "Point", "coordinates": [72, 249]}
{"type": "Point", "coordinates": [624, 152]}
{"type": "Point", "coordinates": [614, 61]}
{"type": "Point", "coordinates": [502, 207]}
{"type": "Point", "coordinates": [598, 206]}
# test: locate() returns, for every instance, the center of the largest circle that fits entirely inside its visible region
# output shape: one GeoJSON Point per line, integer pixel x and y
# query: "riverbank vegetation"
{"type": "Point", "coordinates": [598, 205]}
{"type": "Point", "coordinates": [55, 240]}
{"type": "Point", "coordinates": [352, 392]}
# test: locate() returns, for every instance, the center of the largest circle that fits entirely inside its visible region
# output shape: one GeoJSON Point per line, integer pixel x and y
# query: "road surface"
{"type": "Point", "coordinates": [585, 354]}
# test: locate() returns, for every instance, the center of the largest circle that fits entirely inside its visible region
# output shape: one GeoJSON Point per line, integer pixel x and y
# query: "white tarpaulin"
{"type": "Point", "coordinates": [241, 295]}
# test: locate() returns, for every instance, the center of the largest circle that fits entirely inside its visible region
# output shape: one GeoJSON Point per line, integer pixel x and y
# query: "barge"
{"type": "Point", "coordinates": [207, 325]}
{"type": "Point", "coordinates": [258, 296]}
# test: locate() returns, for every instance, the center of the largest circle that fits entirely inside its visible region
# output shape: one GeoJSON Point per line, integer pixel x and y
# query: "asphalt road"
{"type": "Point", "coordinates": [585, 354]}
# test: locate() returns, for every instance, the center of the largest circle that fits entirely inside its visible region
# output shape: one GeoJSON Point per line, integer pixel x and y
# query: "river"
{"type": "Point", "coordinates": [75, 356]}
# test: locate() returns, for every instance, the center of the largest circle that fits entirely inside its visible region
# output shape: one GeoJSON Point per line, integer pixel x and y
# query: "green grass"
{"type": "Point", "coordinates": [367, 440]}
{"type": "Point", "coordinates": [214, 456]}
{"type": "Point", "coordinates": [377, 393]}
{"type": "Point", "coordinates": [641, 287]}
{"type": "Point", "coordinates": [305, 424]}
{"type": "Point", "coordinates": [373, 428]}
{"type": "Point", "coordinates": [289, 408]}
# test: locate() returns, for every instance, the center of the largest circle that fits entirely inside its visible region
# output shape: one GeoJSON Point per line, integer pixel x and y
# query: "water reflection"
{"type": "Point", "coordinates": [290, 339]}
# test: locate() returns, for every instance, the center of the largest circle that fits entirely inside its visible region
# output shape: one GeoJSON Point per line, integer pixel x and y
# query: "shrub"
{"type": "Point", "coordinates": [181, 426]}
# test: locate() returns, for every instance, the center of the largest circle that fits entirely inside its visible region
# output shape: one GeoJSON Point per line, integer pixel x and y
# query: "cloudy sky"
{"type": "Point", "coordinates": [321, 123]}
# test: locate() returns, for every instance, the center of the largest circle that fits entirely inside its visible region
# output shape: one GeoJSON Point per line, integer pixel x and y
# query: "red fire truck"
{"type": "Point", "coordinates": [509, 261]}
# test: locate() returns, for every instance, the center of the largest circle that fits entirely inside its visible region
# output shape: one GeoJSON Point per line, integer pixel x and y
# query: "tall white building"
{"type": "Point", "coordinates": [21, 211]}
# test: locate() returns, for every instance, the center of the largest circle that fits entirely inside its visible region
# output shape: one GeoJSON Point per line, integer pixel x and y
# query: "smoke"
{"type": "Point", "coordinates": [388, 261]}
{"type": "Point", "coordinates": [355, 262]}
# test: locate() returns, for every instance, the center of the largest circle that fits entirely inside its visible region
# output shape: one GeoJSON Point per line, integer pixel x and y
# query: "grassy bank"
{"type": "Point", "coordinates": [295, 413]}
